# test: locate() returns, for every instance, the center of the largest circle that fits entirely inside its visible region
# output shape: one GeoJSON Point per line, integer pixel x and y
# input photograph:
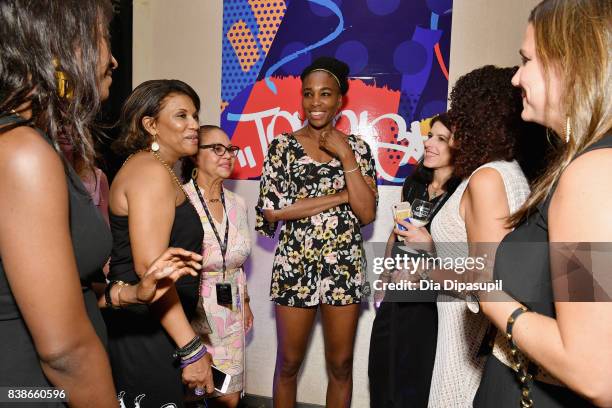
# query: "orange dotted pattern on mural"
{"type": "Point", "coordinates": [244, 44]}
{"type": "Point", "coordinates": [268, 14]}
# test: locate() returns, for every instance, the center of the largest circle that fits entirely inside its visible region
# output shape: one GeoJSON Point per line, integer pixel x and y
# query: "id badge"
{"type": "Point", "coordinates": [224, 293]}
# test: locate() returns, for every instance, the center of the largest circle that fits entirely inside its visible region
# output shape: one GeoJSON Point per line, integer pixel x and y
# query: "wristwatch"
{"type": "Point", "coordinates": [472, 301]}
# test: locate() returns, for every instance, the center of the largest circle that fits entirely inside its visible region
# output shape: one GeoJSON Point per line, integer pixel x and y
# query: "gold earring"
{"type": "Point", "coordinates": [194, 173]}
{"type": "Point", "coordinates": [63, 85]}
{"type": "Point", "coordinates": [154, 145]}
{"type": "Point", "coordinates": [568, 129]}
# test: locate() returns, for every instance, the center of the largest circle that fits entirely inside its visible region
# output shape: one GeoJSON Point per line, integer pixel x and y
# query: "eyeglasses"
{"type": "Point", "coordinates": [220, 149]}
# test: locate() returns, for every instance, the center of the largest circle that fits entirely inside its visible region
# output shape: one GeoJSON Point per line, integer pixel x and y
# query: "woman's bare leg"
{"type": "Point", "coordinates": [339, 327]}
{"type": "Point", "coordinates": [293, 327]}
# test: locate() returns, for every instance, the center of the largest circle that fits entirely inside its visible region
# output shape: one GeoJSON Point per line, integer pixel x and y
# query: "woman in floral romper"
{"type": "Point", "coordinates": [321, 184]}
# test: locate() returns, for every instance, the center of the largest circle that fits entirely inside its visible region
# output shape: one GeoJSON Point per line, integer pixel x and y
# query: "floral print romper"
{"type": "Point", "coordinates": [319, 259]}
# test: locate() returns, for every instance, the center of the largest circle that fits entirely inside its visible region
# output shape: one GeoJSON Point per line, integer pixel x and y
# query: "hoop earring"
{"type": "Point", "coordinates": [154, 145]}
{"type": "Point", "coordinates": [194, 173]}
{"type": "Point", "coordinates": [568, 129]}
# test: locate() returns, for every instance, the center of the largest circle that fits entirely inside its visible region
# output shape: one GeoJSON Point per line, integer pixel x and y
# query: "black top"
{"type": "Point", "coordinates": [524, 269]}
{"type": "Point", "coordinates": [186, 233]}
{"type": "Point", "coordinates": [140, 349]}
{"type": "Point", "coordinates": [404, 333]}
{"type": "Point", "coordinates": [91, 241]}
{"type": "Point", "coordinates": [418, 191]}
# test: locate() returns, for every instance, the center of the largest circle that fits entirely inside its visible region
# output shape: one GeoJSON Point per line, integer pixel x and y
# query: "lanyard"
{"type": "Point", "coordinates": [222, 245]}
{"type": "Point", "coordinates": [438, 203]}
{"type": "Point", "coordinates": [425, 196]}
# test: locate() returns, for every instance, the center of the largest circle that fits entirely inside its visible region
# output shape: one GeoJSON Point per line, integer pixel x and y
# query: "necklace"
{"type": "Point", "coordinates": [172, 173]}
{"type": "Point", "coordinates": [434, 192]}
{"type": "Point", "coordinates": [166, 165]}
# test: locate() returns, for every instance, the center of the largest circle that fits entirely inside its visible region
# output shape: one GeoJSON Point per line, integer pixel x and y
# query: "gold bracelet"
{"type": "Point", "coordinates": [121, 286]}
{"type": "Point", "coordinates": [352, 170]}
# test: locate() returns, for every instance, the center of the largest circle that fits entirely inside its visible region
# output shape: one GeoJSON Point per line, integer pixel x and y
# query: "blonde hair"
{"type": "Point", "coordinates": [574, 38]}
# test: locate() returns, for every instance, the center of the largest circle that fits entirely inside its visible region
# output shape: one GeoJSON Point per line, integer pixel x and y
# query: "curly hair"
{"type": "Point", "coordinates": [486, 118]}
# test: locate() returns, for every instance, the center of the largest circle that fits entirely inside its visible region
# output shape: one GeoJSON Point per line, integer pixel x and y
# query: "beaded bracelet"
{"type": "Point", "coordinates": [194, 358]}
{"type": "Point", "coordinates": [196, 351]}
{"type": "Point", "coordinates": [188, 348]}
{"type": "Point", "coordinates": [523, 371]}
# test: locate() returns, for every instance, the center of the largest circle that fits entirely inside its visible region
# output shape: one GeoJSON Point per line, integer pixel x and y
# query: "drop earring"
{"type": "Point", "coordinates": [568, 129]}
{"type": "Point", "coordinates": [194, 173]}
{"type": "Point", "coordinates": [154, 145]}
{"type": "Point", "coordinates": [62, 84]}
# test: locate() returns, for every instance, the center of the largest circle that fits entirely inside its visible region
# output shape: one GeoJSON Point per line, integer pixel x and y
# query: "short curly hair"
{"type": "Point", "coordinates": [486, 118]}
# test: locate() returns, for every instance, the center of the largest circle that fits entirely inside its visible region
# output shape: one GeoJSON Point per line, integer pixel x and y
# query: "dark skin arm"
{"type": "Point", "coordinates": [306, 207]}
{"type": "Point", "coordinates": [173, 264]}
{"type": "Point", "coordinates": [37, 253]}
{"type": "Point", "coordinates": [359, 194]}
{"type": "Point", "coordinates": [361, 190]}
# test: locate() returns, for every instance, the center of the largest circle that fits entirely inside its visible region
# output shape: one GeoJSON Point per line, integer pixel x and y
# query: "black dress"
{"type": "Point", "coordinates": [525, 272]}
{"type": "Point", "coordinates": [140, 349]}
{"type": "Point", "coordinates": [91, 241]}
{"type": "Point", "coordinates": [404, 336]}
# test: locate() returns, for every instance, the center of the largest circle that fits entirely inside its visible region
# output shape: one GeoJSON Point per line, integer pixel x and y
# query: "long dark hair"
{"type": "Point", "coordinates": [40, 37]}
{"type": "Point", "coordinates": [147, 99]}
{"type": "Point", "coordinates": [424, 175]}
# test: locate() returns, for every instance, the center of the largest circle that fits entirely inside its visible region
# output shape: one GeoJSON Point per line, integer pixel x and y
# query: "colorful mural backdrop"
{"type": "Point", "coordinates": [398, 53]}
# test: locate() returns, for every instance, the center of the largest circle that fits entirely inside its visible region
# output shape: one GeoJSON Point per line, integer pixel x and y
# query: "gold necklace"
{"type": "Point", "coordinates": [172, 173]}
{"type": "Point", "coordinates": [166, 165]}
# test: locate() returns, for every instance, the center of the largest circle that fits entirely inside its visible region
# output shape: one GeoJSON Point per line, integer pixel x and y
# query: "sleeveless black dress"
{"type": "Point", "coordinates": [140, 349]}
{"type": "Point", "coordinates": [91, 241]}
{"type": "Point", "coordinates": [404, 335]}
{"type": "Point", "coordinates": [525, 271]}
